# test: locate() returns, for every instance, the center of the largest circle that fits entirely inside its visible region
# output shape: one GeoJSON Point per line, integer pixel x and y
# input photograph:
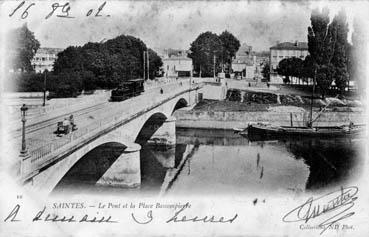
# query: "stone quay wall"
{"type": "Point", "coordinates": [240, 119]}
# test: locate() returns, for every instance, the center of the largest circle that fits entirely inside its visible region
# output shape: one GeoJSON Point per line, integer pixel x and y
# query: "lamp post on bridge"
{"type": "Point", "coordinates": [214, 65]}
{"type": "Point", "coordinates": [44, 97]}
{"type": "Point", "coordinates": [24, 109]}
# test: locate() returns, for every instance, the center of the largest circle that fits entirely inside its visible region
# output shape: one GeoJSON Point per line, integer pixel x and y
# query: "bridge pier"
{"type": "Point", "coordinates": [166, 157]}
{"type": "Point", "coordinates": [125, 172]}
{"type": "Point", "coordinates": [165, 134]}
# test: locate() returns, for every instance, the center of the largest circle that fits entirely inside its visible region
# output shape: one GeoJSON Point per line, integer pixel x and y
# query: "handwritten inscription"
{"type": "Point", "coordinates": [12, 215]}
{"type": "Point", "coordinates": [62, 10]}
{"type": "Point", "coordinates": [48, 217]}
{"type": "Point", "coordinates": [178, 217]}
{"type": "Point", "coordinates": [327, 209]}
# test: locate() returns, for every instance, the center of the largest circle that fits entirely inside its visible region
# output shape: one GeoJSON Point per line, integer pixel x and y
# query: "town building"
{"type": "Point", "coordinates": [284, 50]}
{"type": "Point", "coordinates": [44, 59]}
{"type": "Point", "coordinates": [176, 63]}
{"type": "Point", "coordinates": [244, 63]}
{"type": "Point", "coordinates": [262, 59]}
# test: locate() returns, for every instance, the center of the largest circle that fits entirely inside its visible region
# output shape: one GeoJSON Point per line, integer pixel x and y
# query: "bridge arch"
{"type": "Point", "coordinates": [91, 167]}
{"type": "Point", "coordinates": [50, 177]}
{"type": "Point", "coordinates": [150, 126]}
{"type": "Point", "coordinates": [181, 103]}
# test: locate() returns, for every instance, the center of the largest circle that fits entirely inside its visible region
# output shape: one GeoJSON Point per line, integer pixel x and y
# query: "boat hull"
{"type": "Point", "coordinates": [263, 132]}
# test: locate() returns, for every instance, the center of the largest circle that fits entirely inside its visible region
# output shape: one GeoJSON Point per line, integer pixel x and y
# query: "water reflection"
{"type": "Point", "coordinates": [220, 162]}
{"type": "Point", "coordinates": [331, 161]}
{"type": "Point", "coordinates": [227, 163]}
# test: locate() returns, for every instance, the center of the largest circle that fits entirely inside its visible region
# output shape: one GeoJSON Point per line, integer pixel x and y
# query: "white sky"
{"type": "Point", "coordinates": [164, 24]}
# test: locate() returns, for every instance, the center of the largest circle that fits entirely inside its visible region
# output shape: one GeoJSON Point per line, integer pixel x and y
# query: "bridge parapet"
{"type": "Point", "coordinates": [49, 153]}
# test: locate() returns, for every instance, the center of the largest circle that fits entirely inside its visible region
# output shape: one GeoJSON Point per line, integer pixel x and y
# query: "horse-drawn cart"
{"type": "Point", "coordinates": [65, 128]}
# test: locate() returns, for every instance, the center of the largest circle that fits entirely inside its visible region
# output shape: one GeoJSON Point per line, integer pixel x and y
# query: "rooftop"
{"type": "Point", "coordinates": [49, 50]}
{"type": "Point", "coordinates": [291, 46]}
{"type": "Point", "coordinates": [244, 50]}
{"type": "Point", "coordinates": [246, 61]}
{"type": "Point", "coordinates": [177, 58]}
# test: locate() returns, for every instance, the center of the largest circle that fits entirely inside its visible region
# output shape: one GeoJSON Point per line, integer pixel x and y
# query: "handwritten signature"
{"type": "Point", "coordinates": [329, 208]}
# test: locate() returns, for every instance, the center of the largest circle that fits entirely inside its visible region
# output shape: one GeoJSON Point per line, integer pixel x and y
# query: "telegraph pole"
{"type": "Point", "coordinates": [148, 65]}
{"type": "Point", "coordinates": [44, 101]}
{"type": "Point", "coordinates": [214, 66]}
{"type": "Point", "coordinates": [144, 66]}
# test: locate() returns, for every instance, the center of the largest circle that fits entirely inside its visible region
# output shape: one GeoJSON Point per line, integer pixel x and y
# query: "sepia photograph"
{"type": "Point", "coordinates": [184, 118]}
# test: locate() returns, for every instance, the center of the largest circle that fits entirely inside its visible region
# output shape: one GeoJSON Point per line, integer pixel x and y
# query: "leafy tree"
{"type": "Point", "coordinates": [296, 66]}
{"type": "Point", "coordinates": [230, 45]}
{"type": "Point", "coordinates": [340, 57]}
{"type": "Point", "coordinates": [105, 65]}
{"type": "Point", "coordinates": [68, 83]}
{"type": "Point", "coordinates": [22, 45]}
{"type": "Point", "coordinates": [308, 69]}
{"type": "Point", "coordinates": [284, 69]}
{"type": "Point", "coordinates": [325, 77]}
{"type": "Point", "coordinates": [203, 49]}
{"type": "Point", "coordinates": [155, 63]}
{"type": "Point", "coordinates": [69, 59]}
{"type": "Point", "coordinates": [89, 81]}
{"type": "Point", "coordinates": [321, 43]}
{"type": "Point", "coordinates": [290, 67]}
{"type": "Point", "coordinates": [266, 71]}
{"type": "Point", "coordinates": [125, 58]}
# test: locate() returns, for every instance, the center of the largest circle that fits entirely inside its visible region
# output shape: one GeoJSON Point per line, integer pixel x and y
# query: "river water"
{"type": "Point", "coordinates": [220, 162]}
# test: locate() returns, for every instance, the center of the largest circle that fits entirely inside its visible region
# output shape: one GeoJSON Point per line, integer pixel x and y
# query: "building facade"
{"type": "Point", "coordinates": [244, 63]}
{"type": "Point", "coordinates": [44, 59]}
{"type": "Point", "coordinates": [284, 50]}
{"type": "Point", "coordinates": [176, 63]}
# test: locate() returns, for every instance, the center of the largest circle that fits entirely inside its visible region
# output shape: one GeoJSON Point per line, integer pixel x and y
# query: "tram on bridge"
{"type": "Point", "coordinates": [128, 89]}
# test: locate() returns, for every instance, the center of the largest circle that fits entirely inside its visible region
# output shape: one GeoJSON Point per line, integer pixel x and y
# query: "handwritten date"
{"type": "Point", "coordinates": [62, 10]}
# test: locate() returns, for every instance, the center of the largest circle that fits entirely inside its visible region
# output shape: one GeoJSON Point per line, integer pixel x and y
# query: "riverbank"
{"type": "Point", "coordinates": [240, 119]}
{"type": "Point", "coordinates": [247, 105]}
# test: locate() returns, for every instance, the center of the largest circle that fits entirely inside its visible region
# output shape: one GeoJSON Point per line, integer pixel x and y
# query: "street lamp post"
{"type": "Point", "coordinates": [214, 65]}
{"type": "Point", "coordinates": [144, 65]}
{"type": "Point", "coordinates": [24, 109]}
{"type": "Point", "coordinates": [44, 100]}
{"type": "Point", "coordinates": [148, 64]}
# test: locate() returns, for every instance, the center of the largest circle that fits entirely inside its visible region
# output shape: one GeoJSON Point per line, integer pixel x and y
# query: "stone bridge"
{"type": "Point", "coordinates": [145, 120]}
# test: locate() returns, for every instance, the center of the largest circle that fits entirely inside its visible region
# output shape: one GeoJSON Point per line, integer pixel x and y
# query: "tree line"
{"type": "Point", "coordinates": [106, 64]}
{"type": "Point", "coordinates": [92, 66]}
{"type": "Point", "coordinates": [332, 58]}
{"type": "Point", "coordinates": [209, 48]}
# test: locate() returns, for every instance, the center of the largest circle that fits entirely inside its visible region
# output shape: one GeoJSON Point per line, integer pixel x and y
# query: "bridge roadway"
{"type": "Point", "coordinates": [40, 130]}
{"type": "Point", "coordinates": [44, 146]}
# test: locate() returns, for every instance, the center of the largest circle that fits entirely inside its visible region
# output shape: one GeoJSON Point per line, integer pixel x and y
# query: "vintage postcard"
{"type": "Point", "coordinates": [184, 118]}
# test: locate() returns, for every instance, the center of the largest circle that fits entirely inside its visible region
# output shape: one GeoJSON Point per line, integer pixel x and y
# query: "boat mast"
{"type": "Point", "coordinates": [310, 123]}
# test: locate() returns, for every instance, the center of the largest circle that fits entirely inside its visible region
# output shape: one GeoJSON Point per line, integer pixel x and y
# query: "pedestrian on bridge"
{"type": "Point", "coordinates": [71, 120]}
{"type": "Point", "coordinates": [66, 125]}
